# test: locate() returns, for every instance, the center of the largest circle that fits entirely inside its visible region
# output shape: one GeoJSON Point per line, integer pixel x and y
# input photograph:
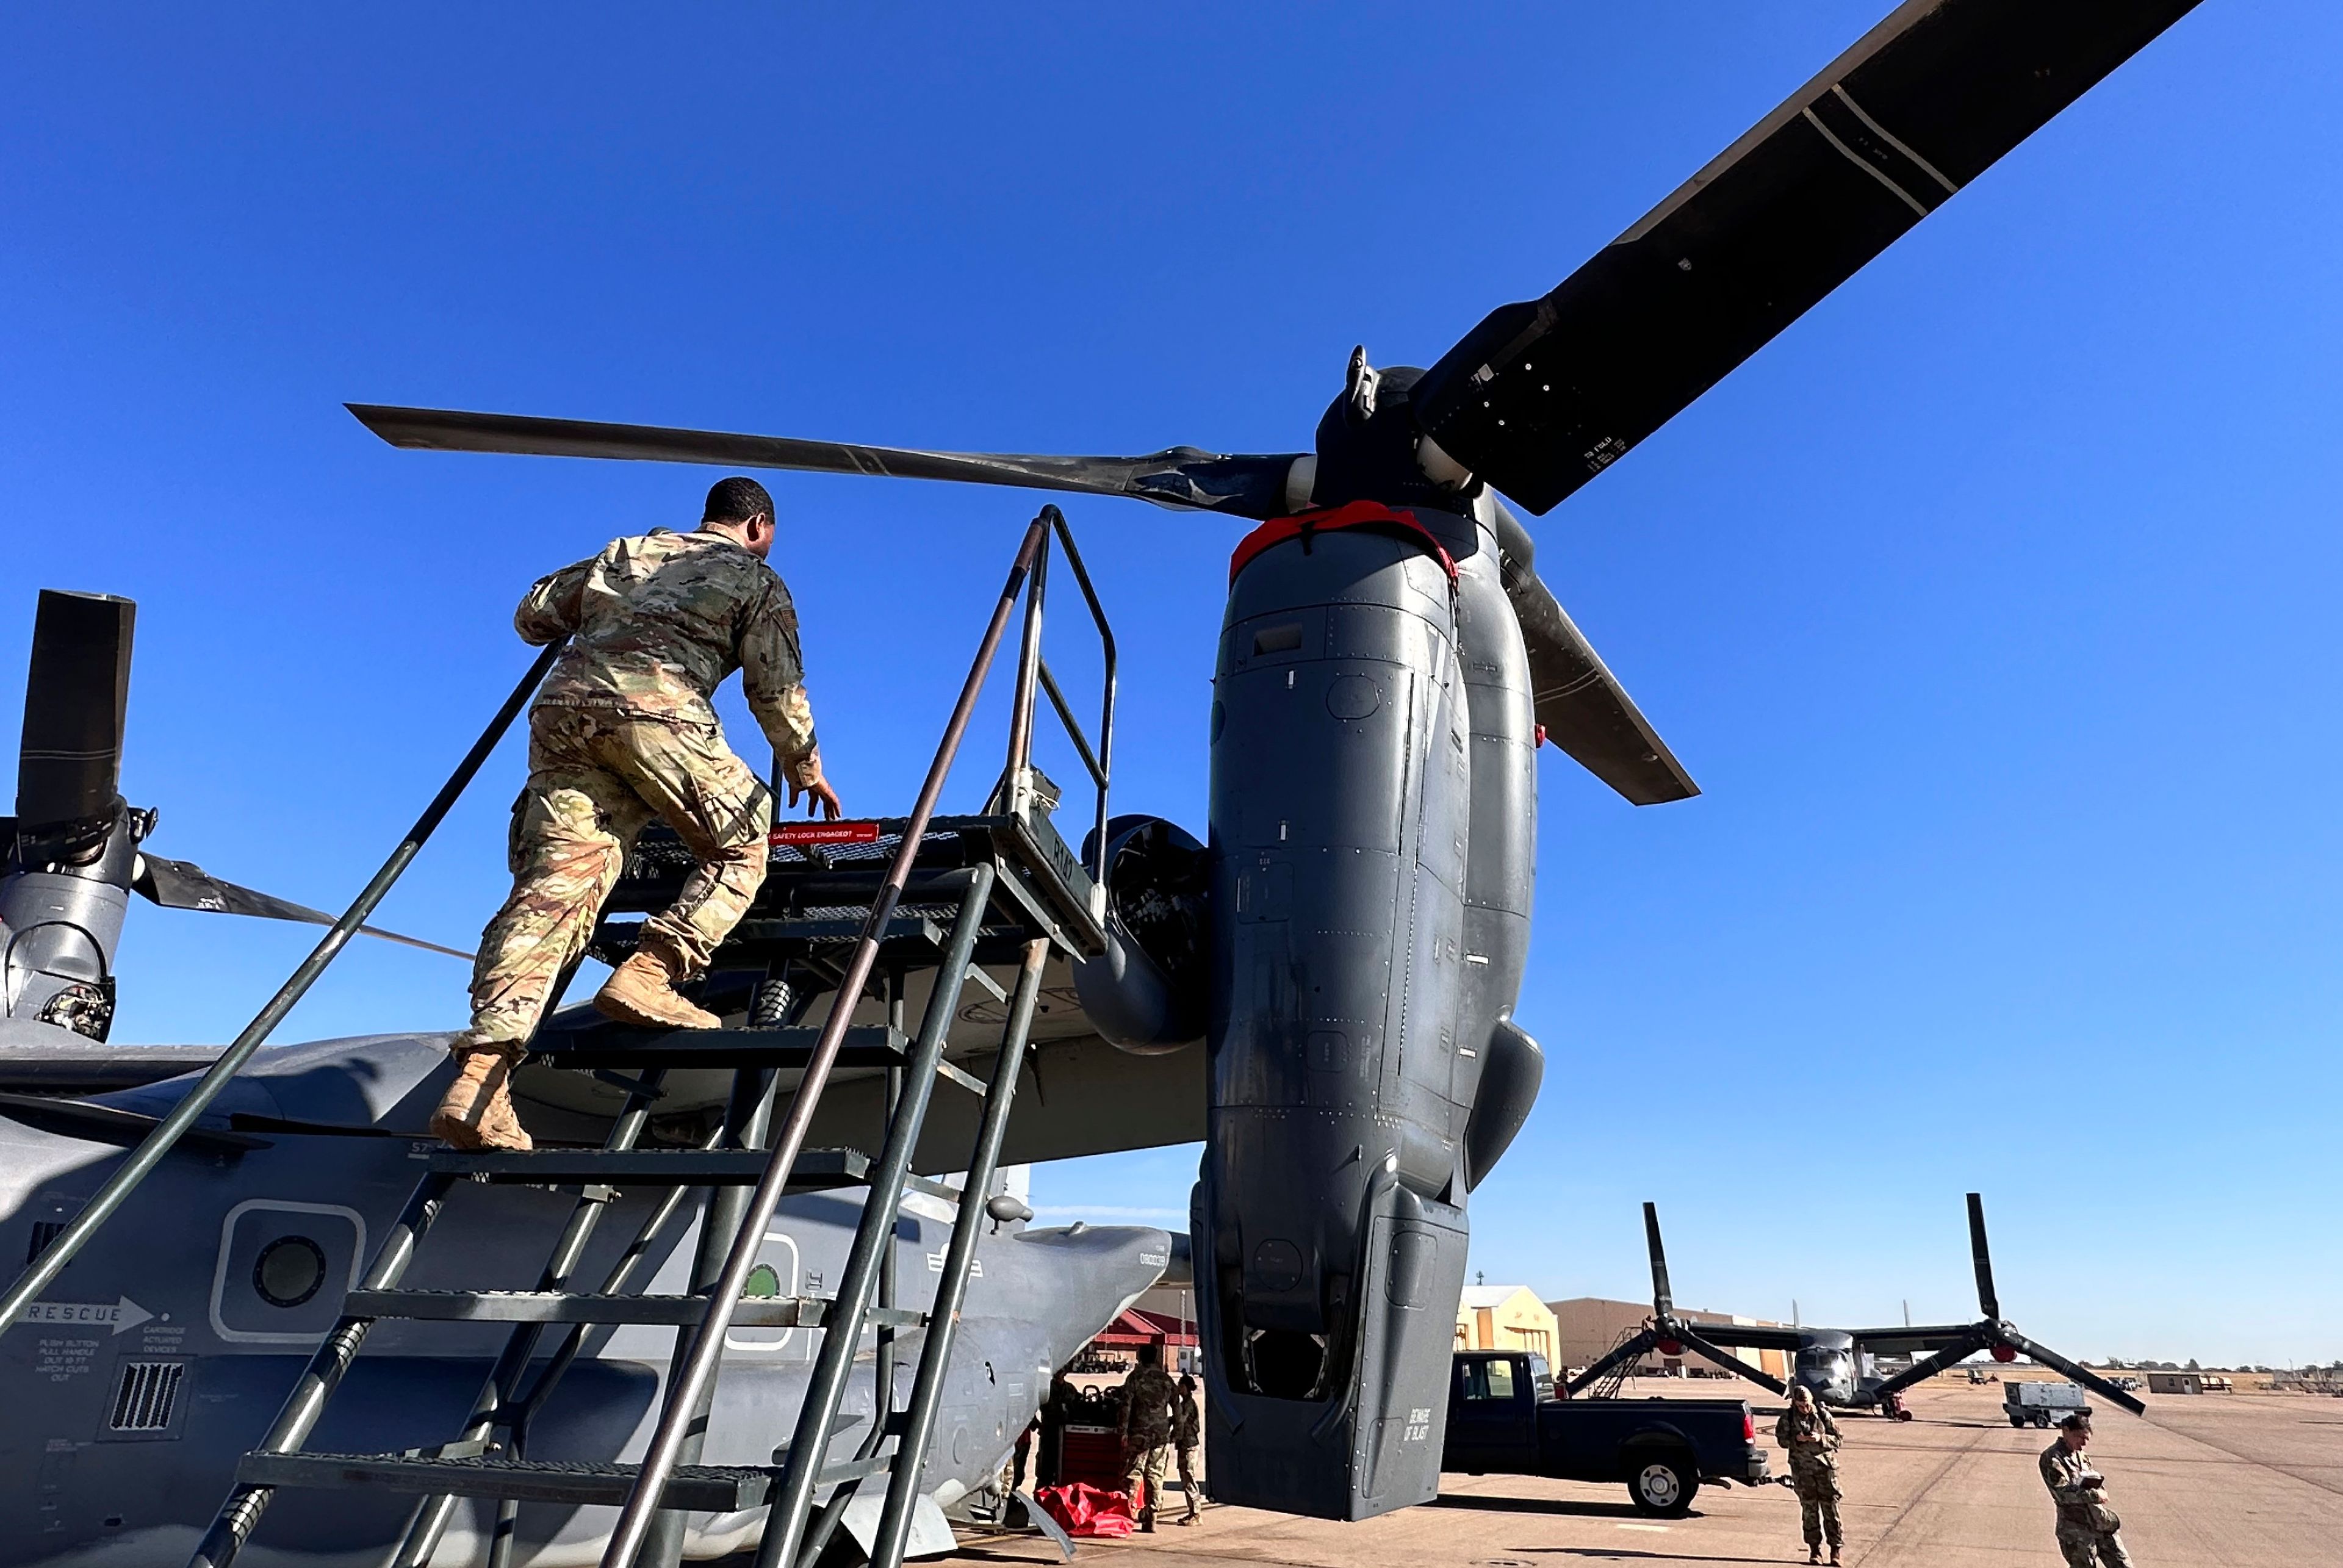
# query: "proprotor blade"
{"type": "Point", "coordinates": [1541, 396]}
{"type": "Point", "coordinates": [77, 697]}
{"type": "Point", "coordinates": [1663, 1303]}
{"type": "Point", "coordinates": [1248, 487]}
{"type": "Point", "coordinates": [1727, 1361]}
{"type": "Point", "coordinates": [1927, 1367]}
{"type": "Point", "coordinates": [184, 885]}
{"type": "Point", "coordinates": [2074, 1369]}
{"type": "Point", "coordinates": [1988, 1303]}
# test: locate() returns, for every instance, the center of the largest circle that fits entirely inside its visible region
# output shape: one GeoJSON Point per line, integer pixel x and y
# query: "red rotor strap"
{"type": "Point", "coordinates": [1371, 515]}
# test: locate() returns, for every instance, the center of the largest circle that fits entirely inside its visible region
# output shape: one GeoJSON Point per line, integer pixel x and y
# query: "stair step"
{"type": "Point", "coordinates": [722, 1489]}
{"type": "Point", "coordinates": [567, 1307]}
{"type": "Point", "coordinates": [817, 1169]}
{"type": "Point", "coordinates": [616, 1045]}
{"type": "Point", "coordinates": [833, 929]}
{"type": "Point", "coordinates": [932, 1189]}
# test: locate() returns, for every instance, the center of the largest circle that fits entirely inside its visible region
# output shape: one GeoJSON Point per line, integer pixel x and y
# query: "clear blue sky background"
{"type": "Point", "coordinates": [1994, 605]}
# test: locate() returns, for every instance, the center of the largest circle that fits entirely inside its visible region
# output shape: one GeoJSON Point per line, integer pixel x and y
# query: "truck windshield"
{"type": "Point", "coordinates": [1489, 1380]}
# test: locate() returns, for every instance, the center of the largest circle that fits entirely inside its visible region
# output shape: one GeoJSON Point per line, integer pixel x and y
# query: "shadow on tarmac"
{"type": "Point", "coordinates": [1482, 1504]}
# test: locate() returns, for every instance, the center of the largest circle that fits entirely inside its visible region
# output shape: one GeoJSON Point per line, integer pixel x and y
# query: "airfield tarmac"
{"type": "Point", "coordinates": [2239, 1481]}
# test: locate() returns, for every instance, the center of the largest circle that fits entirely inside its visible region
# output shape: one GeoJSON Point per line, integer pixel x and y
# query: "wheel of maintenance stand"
{"type": "Point", "coordinates": [1662, 1484]}
{"type": "Point", "coordinates": [2018, 1421]}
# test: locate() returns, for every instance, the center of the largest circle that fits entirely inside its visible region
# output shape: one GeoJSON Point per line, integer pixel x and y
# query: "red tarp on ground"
{"type": "Point", "coordinates": [1085, 1510]}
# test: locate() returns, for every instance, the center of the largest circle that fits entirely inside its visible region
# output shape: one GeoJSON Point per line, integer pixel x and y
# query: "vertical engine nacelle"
{"type": "Point", "coordinates": [1360, 967]}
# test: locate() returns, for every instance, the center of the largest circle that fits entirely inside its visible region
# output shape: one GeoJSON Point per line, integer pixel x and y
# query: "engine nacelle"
{"type": "Point", "coordinates": [1150, 992]}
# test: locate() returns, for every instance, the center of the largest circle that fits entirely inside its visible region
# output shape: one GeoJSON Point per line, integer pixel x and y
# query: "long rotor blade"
{"type": "Point", "coordinates": [1728, 1361]}
{"type": "Point", "coordinates": [1663, 1303]}
{"type": "Point", "coordinates": [1249, 487]}
{"type": "Point", "coordinates": [1988, 1301]}
{"type": "Point", "coordinates": [2075, 1370]}
{"type": "Point", "coordinates": [1927, 1367]}
{"type": "Point", "coordinates": [76, 696]}
{"type": "Point", "coordinates": [1541, 396]}
{"type": "Point", "coordinates": [1584, 709]}
{"type": "Point", "coordinates": [184, 885]}
{"type": "Point", "coordinates": [1628, 1349]}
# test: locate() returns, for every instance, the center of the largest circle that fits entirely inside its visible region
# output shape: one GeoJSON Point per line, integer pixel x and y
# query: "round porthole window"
{"type": "Point", "coordinates": [764, 1282]}
{"type": "Point", "coordinates": [289, 1271]}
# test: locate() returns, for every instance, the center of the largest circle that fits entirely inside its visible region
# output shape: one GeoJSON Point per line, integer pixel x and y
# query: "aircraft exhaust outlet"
{"type": "Point", "coordinates": [1148, 992]}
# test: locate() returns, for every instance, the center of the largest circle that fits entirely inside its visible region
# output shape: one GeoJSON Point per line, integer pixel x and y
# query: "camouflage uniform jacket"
{"type": "Point", "coordinates": [1147, 1395]}
{"type": "Point", "coordinates": [656, 623]}
{"type": "Point", "coordinates": [2063, 1474]}
{"type": "Point", "coordinates": [1810, 1435]}
{"type": "Point", "coordinates": [1187, 1420]}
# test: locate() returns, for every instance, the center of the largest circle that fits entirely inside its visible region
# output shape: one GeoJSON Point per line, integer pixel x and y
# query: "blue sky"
{"type": "Point", "coordinates": [1992, 605]}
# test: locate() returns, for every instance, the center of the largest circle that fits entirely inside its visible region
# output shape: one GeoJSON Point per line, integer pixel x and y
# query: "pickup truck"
{"type": "Point", "coordinates": [1503, 1419]}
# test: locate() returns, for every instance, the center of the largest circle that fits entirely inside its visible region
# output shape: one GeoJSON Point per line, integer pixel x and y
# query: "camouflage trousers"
{"type": "Point", "coordinates": [1817, 1488]}
{"type": "Point", "coordinates": [596, 779]}
{"type": "Point", "coordinates": [1194, 1493]}
{"type": "Point", "coordinates": [1148, 1459]}
{"type": "Point", "coordinates": [2084, 1547]}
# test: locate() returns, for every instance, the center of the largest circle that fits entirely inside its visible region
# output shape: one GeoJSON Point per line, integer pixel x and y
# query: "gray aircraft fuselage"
{"type": "Point", "coordinates": [230, 1264]}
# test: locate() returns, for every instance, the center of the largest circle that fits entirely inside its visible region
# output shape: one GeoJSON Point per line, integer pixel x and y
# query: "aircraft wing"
{"type": "Point", "coordinates": [1749, 1334]}
{"type": "Point", "coordinates": [1904, 1342]}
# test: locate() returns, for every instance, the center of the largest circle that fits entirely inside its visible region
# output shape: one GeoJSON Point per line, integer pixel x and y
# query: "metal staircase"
{"type": "Point", "coordinates": [852, 911]}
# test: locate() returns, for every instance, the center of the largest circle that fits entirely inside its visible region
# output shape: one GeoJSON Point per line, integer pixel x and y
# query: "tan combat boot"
{"type": "Point", "coordinates": [641, 991]}
{"type": "Point", "coordinates": [476, 1112]}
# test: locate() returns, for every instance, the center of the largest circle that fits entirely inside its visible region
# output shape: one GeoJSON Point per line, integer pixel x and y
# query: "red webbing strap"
{"type": "Point", "coordinates": [1372, 515]}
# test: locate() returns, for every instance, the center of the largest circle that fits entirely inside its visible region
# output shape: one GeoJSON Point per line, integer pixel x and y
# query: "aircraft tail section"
{"type": "Point", "coordinates": [1373, 1441]}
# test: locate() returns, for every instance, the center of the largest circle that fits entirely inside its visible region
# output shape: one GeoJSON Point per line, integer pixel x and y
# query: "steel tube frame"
{"type": "Point", "coordinates": [684, 1390]}
{"type": "Point", "coordinates": [43, 1270]}
{"type": "Point", "coordinates": [951, 1287]}
{"type": "Point", "coordinates": [748, 1118]}
{"type": "Point", "coordinates": [874, 1243]}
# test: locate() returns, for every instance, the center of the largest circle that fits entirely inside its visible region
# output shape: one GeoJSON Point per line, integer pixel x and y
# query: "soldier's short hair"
{"type": "Point", "coordinates": [1151, 1355]}
{"type": "Point", "coordinates": [735, 500]}
{"type": "Point", "coordinates": [2078, 1421]}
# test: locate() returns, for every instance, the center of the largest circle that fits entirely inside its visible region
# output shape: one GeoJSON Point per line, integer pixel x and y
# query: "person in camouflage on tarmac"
{"type": "Point", "coordinates": [1187, 1432]}
{"type": "Point", "coordinates": [621, 733]}
{"type": "Point", "coordinates": [2090, 1531]}
{"type": "Point", "coordinates": [1811, 1435]}
{"type": "Point", "coordinates": [1148, 1421]}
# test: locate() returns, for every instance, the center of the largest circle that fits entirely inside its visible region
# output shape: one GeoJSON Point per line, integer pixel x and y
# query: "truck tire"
{"type": "Point", "coordinates": [1662, 1483]}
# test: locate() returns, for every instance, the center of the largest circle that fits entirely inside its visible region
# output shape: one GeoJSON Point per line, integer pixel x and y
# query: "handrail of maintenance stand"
{"type": "Point", "coordinates": [43, 1270]}
{"type": "Point", "coordinates": [1032, 670]}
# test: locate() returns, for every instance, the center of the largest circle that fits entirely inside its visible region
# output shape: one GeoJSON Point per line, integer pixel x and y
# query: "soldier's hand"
{"type": "Point", "coordinates": [806, 781]}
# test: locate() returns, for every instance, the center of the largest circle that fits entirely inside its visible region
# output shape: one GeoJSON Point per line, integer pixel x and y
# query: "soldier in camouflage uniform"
{"type": "Point", "coordinates": [621, 733]}
{"type": "Point", "coordinates": [1187, 1432]}
{"type": "Point", "coordinates": [2089, 1530]}
{"type": "Point", "coordinates": [1148, 1419]}
{"type": "Point", "coordinates": [1811, 1435]}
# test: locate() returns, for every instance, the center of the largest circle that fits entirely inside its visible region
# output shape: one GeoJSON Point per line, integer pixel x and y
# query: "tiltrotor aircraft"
{"type": "Point", "coordinates": [1348, 947]}
{"type": "Point", "coordinates": [1840, 1365]}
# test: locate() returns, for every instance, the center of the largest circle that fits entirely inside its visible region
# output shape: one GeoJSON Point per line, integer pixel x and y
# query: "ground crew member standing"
{"type": "Point", "coordinates": [1148, 1419]}
{"type": "Point", "coordinates": [621, 733]}
{"type": "Point", "coordinates": [1810, 1435]}
{"type": "Point", "coordinates": [1187, 1432]}
{"type": "Point", "coordinates": [2089, 1531]}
